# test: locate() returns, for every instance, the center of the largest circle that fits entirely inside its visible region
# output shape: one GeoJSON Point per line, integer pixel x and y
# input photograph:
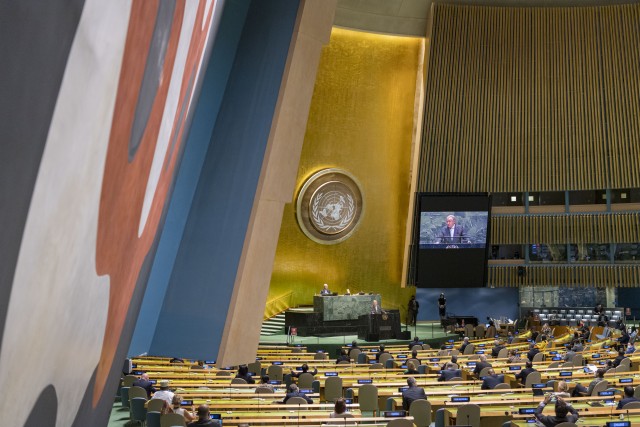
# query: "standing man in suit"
{"type": "Point", "coordinates": [412, 310]}
{"type": "Point", "coordinates": [375, 308]}
{"type": "Point", "coordinates": [412, 393]}
{"type": "Point", "coordinates": [452, 232]}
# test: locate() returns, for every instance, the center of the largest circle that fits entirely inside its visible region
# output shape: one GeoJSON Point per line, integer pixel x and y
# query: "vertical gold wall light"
{"type": "Point", "coordinates": [362, 121]}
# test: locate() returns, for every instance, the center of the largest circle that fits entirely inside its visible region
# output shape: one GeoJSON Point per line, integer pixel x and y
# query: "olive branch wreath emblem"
{"type": "Point", "coordinates": [317, 218]}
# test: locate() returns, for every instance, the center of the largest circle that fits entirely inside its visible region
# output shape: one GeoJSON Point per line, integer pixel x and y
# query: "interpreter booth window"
{"type": "Point", "coordinates": [620, 196]}
{"type": "Point", "coordinates": [547, 253]}
{"type": "Point", "coordinates": [589, 252]}
{"type": "Point", "coordinates": [547, 198]}
{"type": "Point", "coordinates": [626, 252]}
{"type": "Point", "coordinates": [583, 197]}
{"type": "Point", "coordinates": [507, 199]}
{"type": "Point", "coordinates": [601, 197]}
{"type": "Point", "coordinates": [507, 252]}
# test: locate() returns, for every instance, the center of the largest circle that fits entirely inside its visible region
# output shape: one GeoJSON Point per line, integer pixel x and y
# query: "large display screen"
{"type": "Point", "coordinates": [453, 230]}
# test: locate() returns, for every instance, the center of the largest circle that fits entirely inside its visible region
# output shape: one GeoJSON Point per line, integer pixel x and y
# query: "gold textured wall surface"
{"type": "Point", "coordinates": [532, 99]}
{"type": "Point", "coordinates": [361, 120]}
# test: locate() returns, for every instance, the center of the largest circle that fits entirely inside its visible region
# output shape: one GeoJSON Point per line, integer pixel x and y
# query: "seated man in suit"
{"type": "Point", "coordinates": [628, 397]}
{"type": "Point", "coordinates": [412, 393]}
{"type": "Point", "coordinates": [465, 343]}
{"type": "Point", "coordinates": [491, 380]}
{"type": "Point", "coordinates": [325, 290]}
{"type": "Point", "coordinates": [621, 355]}
{"type": "Point", "coordinates": [522, 375]}
{"type": "Point", "coordinates": [449, 372]}
{"type": "Point", "coordinates": [497, 346]}
{"type": "Point", "coordinates": [144, 382]}
{"type": "Point", "coordinates": [380, 352]}
{"type": "Point", "coordinates": [581, 390]}
{"type": "Point", "coordinates": [481, 365]}
{"type": "Point", "coordinates": [533, 350]}
{"type": "Point", "coordinates": [562, 413]}
{"type": "Point", "coordinates": [295, 392]}
{"type": "Point", "coordinates": [204, 418]}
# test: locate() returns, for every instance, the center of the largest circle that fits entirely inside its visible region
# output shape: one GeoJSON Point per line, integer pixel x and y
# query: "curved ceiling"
{"type": "Point", "coordinates": [411, 17]}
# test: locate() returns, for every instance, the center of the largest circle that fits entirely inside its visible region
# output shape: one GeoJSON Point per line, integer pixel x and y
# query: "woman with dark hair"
{"type": "Point", "coordinates": [339, 409]}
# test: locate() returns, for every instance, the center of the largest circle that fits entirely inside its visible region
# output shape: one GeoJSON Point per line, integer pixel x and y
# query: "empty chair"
{"type": "Point", "coordinates": [443, 352]}
{"type": "Point", "coordinates": [469, 349]}
{"type": "Point", "coordinates": [321, 355]}
{"type": "Point", "coordinates": [503, 386]}
{"type": "Point", "coordinates": [376, 366]}
{"type": "Point", "coordinates": [632, 405]}
{"type": "Point", "coordinates": [417, 347]}
{"type": "Point", "coordinates": [124, 396]}
{"type": "Point", "coordinates": [296, 400]}
{"type": "Point", "coordinates": [384, 357]}
{"type": "Point", "coordinates": [171, 420]}
{"type": "Point", "coordinates": [264, 390]}
{"type": "Point", "coordinates": [503, 353]}
{"type": "Point", "coordinates": [332, 389]}
{"type": "Point", "coordinates": [539, 357]}
{"type": "Point", "coordinates": [275, 372]}
{"type": "Point", "coordinates": [426, 347]}
{"type": "Point", "coordinates": [255, 367]}
{"type": "Point", "coordinates": [468, 415]}
{"type": "Point", "coordinates": [238, 381]}
{"type": "Point", "coordinates": [138, 411]}
{"type": "Point", "coordinates": [480, 331]}
{"type": "Point", "coordinates": [353, 353]}
{"type": "Point", "coordinates": [533, 378]}
{"type": "Point", "coordinates": [555, 364]}
{"type": "Point", "coordinates": [129, 380]}
{"type": "Point", "coordinates": [153, 418]}
{"type": "Point", "coordinates": [224, 374]}
{"type": "Point", "coordinates": [601, 386]}
{"type": "Point", "coordinates": [155, 405]}
{"type": "Point", "coordinates": [368, 398]}
{"type": "Point", "coordinates": [420, 410]}
{"type": "Point", "coordinates": [305, 380]}
{"type": "Point", "coordinates": [469, 330]}
{"type": "Point", "coordinates": [566, 424]}
{"type": "Point", "coordinates": [136, 391]}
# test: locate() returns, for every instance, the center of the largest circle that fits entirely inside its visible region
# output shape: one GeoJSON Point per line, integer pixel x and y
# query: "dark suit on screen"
{"type": "Point", "coordinates": [459, 235]}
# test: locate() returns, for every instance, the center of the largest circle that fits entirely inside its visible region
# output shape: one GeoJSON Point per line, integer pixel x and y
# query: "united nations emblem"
{"type": "Point", "coordinates": [329, 206]}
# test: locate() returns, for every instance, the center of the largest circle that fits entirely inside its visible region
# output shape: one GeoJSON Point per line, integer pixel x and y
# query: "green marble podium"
{"type": "Point", "coordinates": [343, 307]}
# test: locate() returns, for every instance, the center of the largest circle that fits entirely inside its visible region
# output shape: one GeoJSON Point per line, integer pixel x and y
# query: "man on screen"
{"type": "Point", "coordinates": [452, 233]}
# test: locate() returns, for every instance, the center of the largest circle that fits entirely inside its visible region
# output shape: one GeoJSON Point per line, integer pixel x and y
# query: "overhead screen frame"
{"type": "Point", "coordinates": [451, 202]}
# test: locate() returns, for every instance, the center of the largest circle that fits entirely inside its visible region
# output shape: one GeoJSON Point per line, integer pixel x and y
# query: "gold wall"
{"type": "Point", "coordinates": [361, 120]}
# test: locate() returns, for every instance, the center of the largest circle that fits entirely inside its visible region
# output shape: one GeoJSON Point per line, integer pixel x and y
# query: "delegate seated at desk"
{"type": "Point", "coordinates": [325, 290]}
{"type": "Point", "coordinates": [452, 233]}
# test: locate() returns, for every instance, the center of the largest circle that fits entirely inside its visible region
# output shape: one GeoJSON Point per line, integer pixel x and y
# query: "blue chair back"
{"type": "Point", "coordinates": [153, 419]}
{"type": "Point", "coordinates": [124, 396]}
{"type": "Point", "coordinates": [138, 411]}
